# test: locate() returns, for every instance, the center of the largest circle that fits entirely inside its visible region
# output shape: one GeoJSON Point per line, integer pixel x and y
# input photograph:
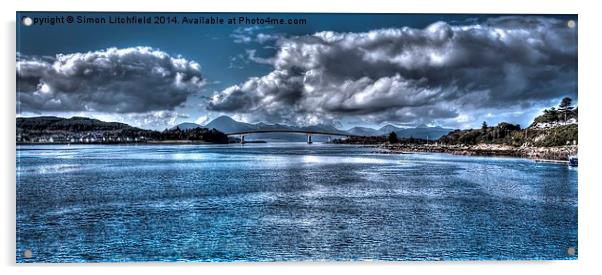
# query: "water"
{"type": "Point", "coordinates": [276, 202]}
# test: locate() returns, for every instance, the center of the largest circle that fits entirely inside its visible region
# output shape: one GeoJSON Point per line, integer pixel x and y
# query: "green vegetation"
{"type": "Point", "coordinates": [557, 136]}
{"type": "Point", "coordinates": [80, 129]}
{"type": "Point", "coordinates": [195, 134]}
{"type": "Point", "coordinates": [503, 133]}
{"type": "Point", "coordinates": [74, 124]}
{"type": "Point", "coordinates": [565, 107]}
{"type": "Point", "coordinates": [556, 133]}
{"type": "Point", "coordinates": [509, 134]}
{"type": "Point", "coordinates": [392, 138]}
{"type": "Point", "coordinates": [361, 140]}
{"type": "Point", "coordinates": [564, 113]}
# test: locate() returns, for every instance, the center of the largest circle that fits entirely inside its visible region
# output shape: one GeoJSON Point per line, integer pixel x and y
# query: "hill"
{"type": "Point", "coordinates": [363, 131]}
{"type": "Point", "coordinates": [228, 125]}
{"type": "Point", "coordinates": [420, 132]}
{"type": "Point", "coordinates": [186, 126]}
{"type": "Point", "coordinates": [503, 133]}
{"type": "Point", "coordinates": [52, 123]}
{"type": "Point", "coordinates": [555, 127]}
{"type": "Point", "coordinates": [50, 129]}
{"type": "Point", "coordinates": [424, 132]}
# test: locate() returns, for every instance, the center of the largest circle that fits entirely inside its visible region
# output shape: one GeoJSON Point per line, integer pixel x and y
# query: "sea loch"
{"type": "Point", "coordinates": [287, 201]}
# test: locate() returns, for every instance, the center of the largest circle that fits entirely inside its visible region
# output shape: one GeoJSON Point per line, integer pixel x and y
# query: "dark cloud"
{"type": "Point", "coordinates": [404, 74]}
{"type": "Point", "coordinates": [129, 80]}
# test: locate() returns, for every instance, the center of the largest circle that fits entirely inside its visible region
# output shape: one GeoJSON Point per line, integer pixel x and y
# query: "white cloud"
{"type": "Point", "coordinates": [201, 120]}
{"type": "Point", "coordinates": [245, 35]}
{"type": "Point", "coordinates": [264, 37]}
{"type": "Point", "coordinates": [407, 74]}
{"type": "Point", "coordinates": [127, 80]}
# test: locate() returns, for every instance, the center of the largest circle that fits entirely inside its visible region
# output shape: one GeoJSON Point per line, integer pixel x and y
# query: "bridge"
{"type": "Point", "coordinates": [308, 133]}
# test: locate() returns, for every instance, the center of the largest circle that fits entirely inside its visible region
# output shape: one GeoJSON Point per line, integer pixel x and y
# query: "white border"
{"type": "Point", "coordinates": [590, 134]}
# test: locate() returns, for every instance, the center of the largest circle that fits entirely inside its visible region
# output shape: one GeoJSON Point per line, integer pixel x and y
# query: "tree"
{"type": "Point", "coordinates": [484, 125]}
{"type": "Point", "coordinates": [392, 137]}
{"type": "Point", "coordinates": [565, 106]}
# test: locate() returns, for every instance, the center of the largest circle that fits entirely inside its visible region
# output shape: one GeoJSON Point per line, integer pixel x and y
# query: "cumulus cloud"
{"type": "Point", "coordinates": [127, 80]}
{"type": "Point", "coordinates": [406, 74]}
{"type": "Point", "coordinates": [152, 120]}
{"type": "Point", "coordinates": [245, 35]}
{"type": "Point", "coordinates": [252, 56]}
{"type": "Point", "coordinates": [201, 120]}
{"type": "Point", "coordinates": [267, 37]}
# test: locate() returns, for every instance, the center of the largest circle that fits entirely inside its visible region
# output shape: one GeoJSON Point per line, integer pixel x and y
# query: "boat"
{"type": "Point", "coordinates": [573, 161]}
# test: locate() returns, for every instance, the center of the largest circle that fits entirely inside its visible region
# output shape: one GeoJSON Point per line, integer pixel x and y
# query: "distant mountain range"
{"type": "Point", "coordinates": [420, 131]}
{"type": "Point", "coordinates": [228, 125]}
{"type": "Point", "coordinates": [44, 127]}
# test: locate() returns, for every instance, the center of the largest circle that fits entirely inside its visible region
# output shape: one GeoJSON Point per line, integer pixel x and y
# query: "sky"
{"type": "Point", "coordinates": [342, 70]}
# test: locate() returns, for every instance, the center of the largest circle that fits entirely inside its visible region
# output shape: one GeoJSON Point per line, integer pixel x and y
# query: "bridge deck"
{"type": "Point", "coordinates": [291, 131]}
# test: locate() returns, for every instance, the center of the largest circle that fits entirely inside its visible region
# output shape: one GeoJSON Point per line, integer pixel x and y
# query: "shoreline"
{"type": "Point", "coordinates": [158, 142]}
{"type": "Point", "coordinates": [557, 154]}
{"type": "Point", "coordinates": [544, 154]}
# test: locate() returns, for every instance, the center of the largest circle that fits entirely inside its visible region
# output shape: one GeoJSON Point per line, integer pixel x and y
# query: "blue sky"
{"type": "Point", "coordinates": [341, 69]}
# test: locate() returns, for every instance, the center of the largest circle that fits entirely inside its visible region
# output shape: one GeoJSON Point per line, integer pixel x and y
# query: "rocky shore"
{"type": "Point", "coordinates": [558, 153]}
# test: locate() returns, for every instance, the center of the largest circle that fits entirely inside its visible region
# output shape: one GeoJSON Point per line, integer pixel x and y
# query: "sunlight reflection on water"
{"type": "Point", "coordinates": [267, 202]}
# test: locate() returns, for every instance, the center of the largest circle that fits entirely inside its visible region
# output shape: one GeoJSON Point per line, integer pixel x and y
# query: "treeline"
{"type": "Point", "coordinates": [391, 138]}
{"type": "Point", "coordinates": [553, 128]}
{"type": "Point", "coordinates": [508, 134]}
{"type": "Point", "coordinates": [74, 124]}
{"type": "Point", "coordinates": [503, 133]}
{"type": "Point", "coordinates": [195, 134]}
{"type": "Point", "coordinates": [360, 140]}
{"type": "Point", "coordinates": [563, 113]}
{"type": "Point", "coordinates": [78, 129]}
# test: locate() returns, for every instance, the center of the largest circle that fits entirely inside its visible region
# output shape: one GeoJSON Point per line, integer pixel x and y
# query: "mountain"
{"type": "Point", "coordinates": [363, 131]}
{"type": "Point", "coordinates": [186, 126]}
{"type": "Point", "coordinates": [228, 125]}
{"type": "Point", "coordinates": [385, 130]}
{"type": "Point", "coordinates": [431, 133]}
{"type": "Point", "coordinates": [322, 128]}
{"type": "Point", "coordinates": [421, 131]}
